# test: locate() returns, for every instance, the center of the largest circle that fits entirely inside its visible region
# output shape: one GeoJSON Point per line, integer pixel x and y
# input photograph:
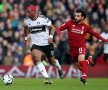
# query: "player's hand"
{"type": "Point", "coordinates": [50, 41]}
{"type": "Point", "coordinates": [60, 36]}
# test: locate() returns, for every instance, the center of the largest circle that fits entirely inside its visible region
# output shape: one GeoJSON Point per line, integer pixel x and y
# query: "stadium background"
{"type": "Point", "coordinates": [12, 13]}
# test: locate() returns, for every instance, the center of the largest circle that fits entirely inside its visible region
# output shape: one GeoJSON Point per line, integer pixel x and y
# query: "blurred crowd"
{"type": "Point", "coordinates": [12, 14]}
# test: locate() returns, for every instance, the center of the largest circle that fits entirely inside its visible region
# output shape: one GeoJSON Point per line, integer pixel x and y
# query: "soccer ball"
{"type": "Point", "coordinates": [8, 79]}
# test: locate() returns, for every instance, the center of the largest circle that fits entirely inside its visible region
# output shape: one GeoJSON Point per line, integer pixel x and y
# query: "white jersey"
{"type": "Point", "coordinates": [105, 35]}
{"type": "Point", "coordinates": [39, 30]}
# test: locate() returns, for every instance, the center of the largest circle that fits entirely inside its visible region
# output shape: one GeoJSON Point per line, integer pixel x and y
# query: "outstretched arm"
{"type": "Point", "coordinates": [89, 30]}
{"type": "Point", "coordinates": [63, 27]}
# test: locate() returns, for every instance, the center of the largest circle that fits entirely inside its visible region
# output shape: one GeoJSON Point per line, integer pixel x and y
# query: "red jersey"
{"type": "Point", "coordinates": [77, 33]}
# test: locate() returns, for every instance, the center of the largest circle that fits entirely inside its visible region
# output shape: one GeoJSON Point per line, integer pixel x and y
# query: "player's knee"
{"type": "Point", "coordinates": [36, 59]}
{"type": "Point", "coordinates": [52, 62]}
{"type": "Point", "coordinates": [81, 57]}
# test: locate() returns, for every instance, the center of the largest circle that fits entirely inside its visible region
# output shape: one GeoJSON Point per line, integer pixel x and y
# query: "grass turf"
{"type": "Point", "coordinates": [58, 84]}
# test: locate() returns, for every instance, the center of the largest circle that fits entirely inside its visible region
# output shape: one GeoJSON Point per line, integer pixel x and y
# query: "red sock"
{"type": "Point", "coordinates": [83, 65]}
{"type": "Point", "coordinates": [87, 62]}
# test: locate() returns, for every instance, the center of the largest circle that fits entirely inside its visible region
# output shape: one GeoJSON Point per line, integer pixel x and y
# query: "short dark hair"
{"type": "Point", "coordinates": [83, 12]}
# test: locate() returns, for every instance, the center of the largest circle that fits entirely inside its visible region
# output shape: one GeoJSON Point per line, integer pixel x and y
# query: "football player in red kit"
{"type": "Point", "coordinates": [77, 30]}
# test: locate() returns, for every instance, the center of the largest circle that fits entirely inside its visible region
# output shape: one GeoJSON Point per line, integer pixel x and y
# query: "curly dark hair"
{"type": "Point", "coordinates": [83, 12]}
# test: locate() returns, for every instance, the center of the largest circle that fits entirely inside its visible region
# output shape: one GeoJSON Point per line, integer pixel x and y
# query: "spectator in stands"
{"type": "Point", "coordinates": [8, 60]}
{"type": "Point", "coordinates": [27, 60]}
{"type": "Point", "coordinates": [105, 45]}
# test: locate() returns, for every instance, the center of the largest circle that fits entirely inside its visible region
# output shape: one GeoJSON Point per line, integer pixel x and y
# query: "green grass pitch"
{"type": "Point", "coordinates": [58, 84]}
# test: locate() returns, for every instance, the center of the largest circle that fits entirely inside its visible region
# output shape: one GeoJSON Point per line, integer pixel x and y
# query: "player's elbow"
{"type": "Point", "coordinates": [52, 27]}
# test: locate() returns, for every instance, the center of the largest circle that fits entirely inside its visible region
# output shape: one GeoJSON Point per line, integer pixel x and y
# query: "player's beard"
{"type": "Point", "coordinates": [32, 17]}
{"type": "Point", "coordinates": [78, 21]}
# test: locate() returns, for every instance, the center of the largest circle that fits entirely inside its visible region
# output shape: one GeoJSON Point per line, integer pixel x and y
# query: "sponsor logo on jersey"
{"type": "Point", "coordinates": [74, 30]}
{"type": "Point", "coordinates": [37, 29]}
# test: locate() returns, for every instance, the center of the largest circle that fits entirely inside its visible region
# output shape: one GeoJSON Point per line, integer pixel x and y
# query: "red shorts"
{"type": "Point", "coordinates": [74, 52]}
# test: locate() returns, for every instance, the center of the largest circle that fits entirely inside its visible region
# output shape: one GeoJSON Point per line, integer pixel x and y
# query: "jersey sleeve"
{"type": "Point", "coordinates": [48, 22]}
{"type": "Point", "coordinates": [45, 20]}
{"type": "Point", "coordinates": [101, 36]}
{"type": "Point", "coordinates": [25, 22]}
{"type": "Point", "coordinates": [63, 27]}
{"type": "Point", "coordinates": [90, 31]}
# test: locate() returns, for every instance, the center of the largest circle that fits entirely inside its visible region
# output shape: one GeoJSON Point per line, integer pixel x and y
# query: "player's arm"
{"type": "Point", "coordinates": [25, 32]}
{"type": "Point", "coordinates": [51, 34]}
{"type": "Point", "coordinates": [63, 27]}
{"type": "Point", "coordinates": [26, 35]}
{"type": "Point", "coordinates": [52, 30]}
{"type": "Point", "coordinates": [89, 30]}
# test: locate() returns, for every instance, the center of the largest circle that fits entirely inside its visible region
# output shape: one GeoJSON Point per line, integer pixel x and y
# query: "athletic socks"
{"type": "Point", "coordinates": [87, 62]}
{"type": "Point", "coordinates": [57, 64]}
{"type": "Point", "coordinates": [90, 61]}
{"type": "Point", "coordinates": [83, 65]}
{"type": "Point", "coordinates": [60, 72]}
{"type": "Point", "coordinates": [42, 69]}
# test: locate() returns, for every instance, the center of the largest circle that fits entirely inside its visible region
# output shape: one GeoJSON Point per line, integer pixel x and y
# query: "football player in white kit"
{"type": "Point", "coordinates": [41, 31]}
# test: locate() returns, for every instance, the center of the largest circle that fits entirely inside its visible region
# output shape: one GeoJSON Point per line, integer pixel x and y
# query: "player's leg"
{"type": "Point", "coordinates": [83, 64]}
{"type": "Point", "coordinates": [55, 62]}
{"type": "Point", "coordinates": [36, 55]}
{"type": "Point", "coordinates": [49, 52]}
{"type": "Point", "coordinates": [90, 61]}
{"type": "Point", "coordinates": [78, 65]}
{"type": "Point", "coordinates": [74, 56]}
{"type": "Point", "coordinates": [83, 68]}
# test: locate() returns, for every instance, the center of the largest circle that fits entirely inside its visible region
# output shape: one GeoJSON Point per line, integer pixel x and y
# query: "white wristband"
{"type": "Point", "coordinates": [51, 36]}
{"type": "Point", "coordinates": [26, 38]}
